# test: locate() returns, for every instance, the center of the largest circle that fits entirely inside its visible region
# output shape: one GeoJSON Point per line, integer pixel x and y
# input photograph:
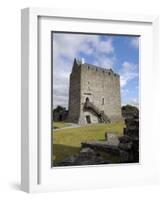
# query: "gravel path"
{"type": "Point", "coordinates": [72, 125]}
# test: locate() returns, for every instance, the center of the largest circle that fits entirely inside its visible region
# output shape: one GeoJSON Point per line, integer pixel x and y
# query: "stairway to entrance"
{"type": "Point", "coordinates": [103, 118]}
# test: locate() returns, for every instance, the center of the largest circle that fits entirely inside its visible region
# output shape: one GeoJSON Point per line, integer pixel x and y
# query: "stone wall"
{"type": "Point", "coordinates": [102, 88]}
{"type": "Point", "coordinates": [74, 94]}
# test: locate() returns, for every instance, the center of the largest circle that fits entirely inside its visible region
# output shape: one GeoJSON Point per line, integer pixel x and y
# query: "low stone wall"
{"type": "Point", "coordinates": [87, 156]}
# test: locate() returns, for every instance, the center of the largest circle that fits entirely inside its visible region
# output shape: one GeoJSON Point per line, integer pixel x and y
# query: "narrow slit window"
{"type": "Point", "coordinates": [103, 101]}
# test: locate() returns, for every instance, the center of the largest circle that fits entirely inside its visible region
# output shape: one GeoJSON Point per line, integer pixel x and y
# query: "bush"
{"type": "Point", "coordinates": [129, 111]}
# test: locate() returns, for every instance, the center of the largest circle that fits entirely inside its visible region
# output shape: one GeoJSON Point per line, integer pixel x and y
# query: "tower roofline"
{"type": "Point", "coordinates": [78, 62]}
{"type": "Point", "coordinates": [90, 66]}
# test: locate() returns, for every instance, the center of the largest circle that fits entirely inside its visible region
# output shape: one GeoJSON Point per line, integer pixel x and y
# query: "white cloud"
{"type": "Point", "coordinates": [134, 102]}
{"type": "Point", "coordinates": [66, 48]}
{"type": "Point", "coordinates": [60, 100]}
{"type": "Point", "coordinates": [127, 73]}
{"type": "Point", "coordinates": [61, 72]}
{"type": "Point", "coordinates": [105, 46]}
{"type": "Point", "coordinates": [70, 45]}
{"type": "Point", "coordinates": [135, 42]}
{"type": "Point", "coordinates": [104, 61]}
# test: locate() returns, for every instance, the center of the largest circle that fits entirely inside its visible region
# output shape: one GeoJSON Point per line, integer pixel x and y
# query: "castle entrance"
{"type": "Point", "coordinates": [88, 119]}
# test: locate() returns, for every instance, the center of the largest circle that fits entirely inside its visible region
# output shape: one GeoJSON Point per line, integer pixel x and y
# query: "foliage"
{"type": "Point", "coordinates": [59, 109]}
{"type": "Point", "coordinates": [59, 113]}
{"type": "Point", "coordinates": [129, 110]}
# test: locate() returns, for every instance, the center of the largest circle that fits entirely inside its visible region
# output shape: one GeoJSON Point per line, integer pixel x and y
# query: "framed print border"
{"type": "Point", "coordinates": [30, 83]}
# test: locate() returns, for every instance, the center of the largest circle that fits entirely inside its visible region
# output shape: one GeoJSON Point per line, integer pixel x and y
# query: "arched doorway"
{"type": "Point", "coordinates": [88, 119]}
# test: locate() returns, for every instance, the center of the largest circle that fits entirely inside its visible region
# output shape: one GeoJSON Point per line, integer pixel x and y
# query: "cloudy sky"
{"type": "Point", "coordinates": [121, 53]}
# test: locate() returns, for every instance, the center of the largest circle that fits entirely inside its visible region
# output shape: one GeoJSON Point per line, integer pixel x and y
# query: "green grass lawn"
{"type": "Point", "coordinates": [67, 142]}
{"type": "Point", "coordinates": [57, 125]}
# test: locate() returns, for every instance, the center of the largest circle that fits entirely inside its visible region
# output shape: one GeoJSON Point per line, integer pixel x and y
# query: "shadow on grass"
{"type": "Point", "coordinates": [60, 152]}
{"type": "Point", "coordinates": [55, 127]}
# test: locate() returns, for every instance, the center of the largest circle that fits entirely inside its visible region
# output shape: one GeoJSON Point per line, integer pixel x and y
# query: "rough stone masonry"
{"type": "Point", "coordinates": [94, 94]}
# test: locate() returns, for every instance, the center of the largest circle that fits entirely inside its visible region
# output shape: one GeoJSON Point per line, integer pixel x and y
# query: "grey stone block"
{"type": "Point", "coordinates": [102, 146]}
{"type": "Point", "coordinates": [112, 139]}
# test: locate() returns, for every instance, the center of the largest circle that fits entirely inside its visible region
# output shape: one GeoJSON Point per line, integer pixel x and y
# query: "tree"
{"type": "Point", "coordinates": [59, 113]}
{"type": "Point", "coordinates": [59, 109]}
{"type": "Point", "coordinates": [129, 111]}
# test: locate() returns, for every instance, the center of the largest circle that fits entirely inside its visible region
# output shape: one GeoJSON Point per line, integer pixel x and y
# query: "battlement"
{"type": "Point", "coordinates": [86, 66]}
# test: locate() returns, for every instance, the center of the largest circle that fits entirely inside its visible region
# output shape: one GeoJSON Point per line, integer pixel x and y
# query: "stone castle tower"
{"type": "Point", "coordinates": [94, 94]}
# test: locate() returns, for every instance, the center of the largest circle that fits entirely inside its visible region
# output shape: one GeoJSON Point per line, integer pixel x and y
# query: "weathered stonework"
{"type": "Point", "coordinates": [94, 94]}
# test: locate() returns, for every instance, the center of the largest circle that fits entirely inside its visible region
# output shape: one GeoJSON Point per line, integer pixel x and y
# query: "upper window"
{"type": "Point", "coordinates": [103, 101]}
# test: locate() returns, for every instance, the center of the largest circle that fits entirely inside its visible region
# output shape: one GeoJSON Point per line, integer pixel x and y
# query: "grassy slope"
{"type": "Point", "coordinates": [67, 142]}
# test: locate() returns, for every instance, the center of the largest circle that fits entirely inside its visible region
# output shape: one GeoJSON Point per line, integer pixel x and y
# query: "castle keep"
{"type": "Point", "coordinates": [94, 94]}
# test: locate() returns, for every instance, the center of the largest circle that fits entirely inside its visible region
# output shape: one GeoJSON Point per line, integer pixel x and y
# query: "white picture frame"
{"type": "Point", "coordinates": [36, 171]}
